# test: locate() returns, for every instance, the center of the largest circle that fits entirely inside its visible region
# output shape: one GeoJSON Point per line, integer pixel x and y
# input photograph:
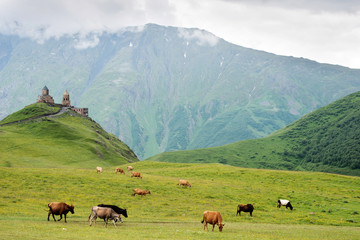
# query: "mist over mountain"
{"type": "Point", "coordinates": [165, 88]}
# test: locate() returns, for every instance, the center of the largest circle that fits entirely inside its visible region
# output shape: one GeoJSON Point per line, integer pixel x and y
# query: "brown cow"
{"type": "Point", "coordinates": [136, 174]}
{"type": "Point", "coordinates": [98, 169]}
{"type": "Point", "coordinates": [245, 208]}
{"type": "Point", "coordinates": [104, 213]}
{"type": "Point", "coordinates": [59, 208]}
{"type": "Point", "coordinates": [130, 168]}
{"type": "Point", "coordinates": [184, 183]}
{"type": "Point", "coordinates": [141, 192]}
{"type": "Point", "coordinates": [119, 170]}
{"type": "Point", "coordinates": [214, 218]}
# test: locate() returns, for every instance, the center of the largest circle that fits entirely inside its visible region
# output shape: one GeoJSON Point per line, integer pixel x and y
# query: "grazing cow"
{"type": "Point", "coordinates": [119, 170]}
{"type": "Point", "coordinates": [116, 209]}
{"type": "Point", "coordinates": [59, 208]}
{"type": "Point", "coordinates": [284, 202]}
{"type": "Point", "coordinates": [141, 192]}
{"type": "Point", "coordinates": [214, 218]}
{"type": "Point", "coordinates": [184, 183]}
{"type": "Point", "coordinates": [130, 168]}
{"type": "Point", "coordinates": [104, 213]}
{"type": "Point", "coordinates": [98, 169]}
{"type": "Point", "coordinates": [136, 174]}
{"type": "Point", "coordinates": [245, 208]}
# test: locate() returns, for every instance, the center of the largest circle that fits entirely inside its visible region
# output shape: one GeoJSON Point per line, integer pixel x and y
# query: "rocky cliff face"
{"type": "Point", "coordinates": [164, 88]}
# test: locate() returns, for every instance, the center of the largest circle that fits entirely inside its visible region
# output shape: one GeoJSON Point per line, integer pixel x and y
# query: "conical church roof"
{"type": "Point", "coordinates": [66, 92]}
{"type": "Point", "coordinates": [45, 88]}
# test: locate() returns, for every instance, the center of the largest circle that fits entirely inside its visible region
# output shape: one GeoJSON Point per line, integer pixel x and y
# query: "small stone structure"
{"type": "Point", "coordinates": [46, 98]}
{"type": "Point", "coordinates": [66, 99]}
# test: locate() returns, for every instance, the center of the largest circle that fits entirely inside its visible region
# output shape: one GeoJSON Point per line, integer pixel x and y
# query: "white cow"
{"type": "Point", "coordinates": [284, 202]}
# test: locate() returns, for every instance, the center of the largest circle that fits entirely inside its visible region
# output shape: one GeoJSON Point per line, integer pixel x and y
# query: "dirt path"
{"type": "Point", "coordinates": [51, 115]}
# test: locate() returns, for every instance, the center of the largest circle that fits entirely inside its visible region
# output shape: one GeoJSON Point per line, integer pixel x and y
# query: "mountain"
{"type": "Point", "coordinates": [41, 135]}
{"type": "Point", "coordinates": [327, 139]}
{"type": "Point", "coordinates": [166, 88]}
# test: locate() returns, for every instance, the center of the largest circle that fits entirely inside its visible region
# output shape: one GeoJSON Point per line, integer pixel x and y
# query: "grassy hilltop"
{"type": "Point", "coordinates": [66, 140]}
{"type": "Point", "coordinates": [326, 206]}
{"type": "Point", "coordinates": [324, 140]}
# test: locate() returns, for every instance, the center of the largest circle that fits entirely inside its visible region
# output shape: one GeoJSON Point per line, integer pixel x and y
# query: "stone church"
{"type": "Point", "coordinates": [46, 98]}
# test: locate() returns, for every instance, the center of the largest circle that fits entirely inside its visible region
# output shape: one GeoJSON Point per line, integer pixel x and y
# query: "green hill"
{"type": "Point", "coordinates": [324, 204]}
{"type": "Point", "coordinates": [33, 137]}
{"type": "Point", "coordinates": [162, 89]}
{"type": "Point", "coordinates": [324, 140]}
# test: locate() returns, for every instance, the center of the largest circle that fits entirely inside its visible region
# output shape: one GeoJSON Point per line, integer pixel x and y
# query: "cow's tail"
{"type": "Point", "coordinates": [202, 220]}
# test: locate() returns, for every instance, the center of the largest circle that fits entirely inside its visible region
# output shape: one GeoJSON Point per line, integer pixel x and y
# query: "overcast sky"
{"type": "Point", "coordinates": [327, 31]}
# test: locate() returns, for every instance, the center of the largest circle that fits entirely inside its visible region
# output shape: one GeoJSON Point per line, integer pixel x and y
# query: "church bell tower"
{"type": "Point", "coordinates": [66, 99]}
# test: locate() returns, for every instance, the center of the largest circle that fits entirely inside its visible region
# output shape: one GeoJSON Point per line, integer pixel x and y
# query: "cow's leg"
{"type": "Point", "coordinates": [60, 217]}
{"type": "Point", "coordinates": [205, 225]}
{"type": "Point", "coordinates": [53, 216]}
{"type": "Point", "coordinates": [251, 214]}
{"type": "Point", "coordinates": [114, 222]}
{"type": "Point", "coordinates": [106, 222]}
{"type": "Point", "coordinates": [65, 217]}
{"type": "Point", "coordinates": [213, 227]}
{"type": "Point", "coordinates": [49, 215]}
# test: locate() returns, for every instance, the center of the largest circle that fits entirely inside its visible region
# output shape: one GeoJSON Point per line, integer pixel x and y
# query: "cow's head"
{"type": "Point", "coordinates": [125, 213]}
{"type": "Point", "coordinates": [148, 192]}
{"type": "Point", "coordinates": [71, 208]}
{"type": "Point", "coordinates": [221, 226]}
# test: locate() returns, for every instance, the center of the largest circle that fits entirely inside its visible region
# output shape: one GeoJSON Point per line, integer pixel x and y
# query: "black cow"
{"type": "Point", "coordinates": [116, 209]}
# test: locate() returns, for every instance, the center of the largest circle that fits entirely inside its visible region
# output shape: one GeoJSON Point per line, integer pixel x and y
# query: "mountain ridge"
{"type": "Point", "coordinates": [325, 140]}
{"type": "Point", "coordinates": [166, 88]}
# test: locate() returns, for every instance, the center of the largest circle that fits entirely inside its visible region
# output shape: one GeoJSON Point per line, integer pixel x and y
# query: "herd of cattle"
{"type": "Point", "coordinates": [112, 212]}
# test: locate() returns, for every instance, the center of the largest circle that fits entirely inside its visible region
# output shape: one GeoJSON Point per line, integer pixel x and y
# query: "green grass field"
{"type": "Point", "coordinates": [326, 206]}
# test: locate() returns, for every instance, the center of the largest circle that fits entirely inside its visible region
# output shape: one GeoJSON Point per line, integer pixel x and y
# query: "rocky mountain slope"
{"type": "Point", "coordinates": [324, 140]}
{"type": "Point", "coordinates": [165, 88]}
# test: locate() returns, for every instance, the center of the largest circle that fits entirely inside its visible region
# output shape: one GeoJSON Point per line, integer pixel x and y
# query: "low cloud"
{"type": "Point", "coordinates": [43, 19]}
{"type": "Point", "coordinates": [322, 30]}
{"type": "Point", "coordinates": [201, 37]}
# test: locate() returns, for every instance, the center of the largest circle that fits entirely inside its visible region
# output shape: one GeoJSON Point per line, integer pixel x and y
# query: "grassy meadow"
{"type": "Point", "coordinates": [67, 140]}
{"type": "Point", "coordinates": [326, 206]}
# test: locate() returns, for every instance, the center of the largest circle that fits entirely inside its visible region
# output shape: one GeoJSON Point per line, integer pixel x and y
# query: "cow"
{"type": "Point", "coordinates": [184, 183]}
{"type": "Point", "coordinates": [119, 170]}
{"type": "Point", "coordinates": [214, 218]}
{"type": "Point", "coordinates": [136, 174]}
{"type": "Point", "coordinates": [104, 213]}
{"type": "Point", "coordinates": [98, 169]}
{"type": "Point", "coordinates": [141, 192]}
{"type": "Point", "coordinates": [245, 208]}
{"type": "Point", "coordinates": [130, 168]}
{"type": "Point", "coordinates": [116, 209]}
{"type": "Point", "coordinates": [59, 208]}
{"type": "Point", "coordinates": [284, 202]}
